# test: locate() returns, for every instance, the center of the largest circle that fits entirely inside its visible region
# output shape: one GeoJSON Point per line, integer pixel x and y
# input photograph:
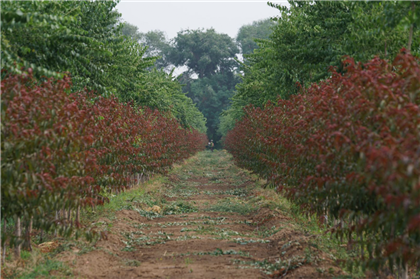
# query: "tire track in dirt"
{"type": "Point", "coordinates": [207, 219]}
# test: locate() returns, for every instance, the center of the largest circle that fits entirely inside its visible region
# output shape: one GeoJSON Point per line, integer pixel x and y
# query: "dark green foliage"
{"type": "Point", "coordinates": [310, 37]}
{"type": "Point", "coordinates": [78, 37]}
{"type": "Point", "coordinates": [210, 56]}
{"type": "Point", "coordinates": [162, 91]}
{"type": "Point", "coordinates": [205, 53]}
{"type": "Point", "coordinates": [212, 95]}
{"type": "Point", "coordinates": [86, 40]}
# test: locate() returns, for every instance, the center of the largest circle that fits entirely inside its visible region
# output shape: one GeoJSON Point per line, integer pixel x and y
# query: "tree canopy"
{"type": "Point", "coordinates": [87, 41]}
{"type": "Point", "coordinates": [310, 37]}
{"type": "Point", "coordinates": [248, 34]}
{"type": "Point", "coordinates": [205, 53]}
{"type": "Point", "coordinates": [156, 42]}
{"type": "Point", "coordinates": [210, 78]}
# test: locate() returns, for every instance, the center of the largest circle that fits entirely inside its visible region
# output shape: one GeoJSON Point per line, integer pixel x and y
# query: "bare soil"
{"type": "Point", "coordinates": [256, 240]}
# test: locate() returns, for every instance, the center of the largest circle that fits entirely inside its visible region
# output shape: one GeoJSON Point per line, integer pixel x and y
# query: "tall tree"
{"type": "Point", "coordinates": [156, 42]}
{"type": "Point", "coordinates": [205, 53]}
{"type": "Point", "coordinates": [79, 37]}
{"type": "Point", "coordinates": [248, 34]}
{"type": "Point", "coordinates": [210, 57]}
{"type": "Point", "coordinates": [131, 31]}
{"type": "Point", "coordinates": [87, 41]}
{"type": "Point", "coordinates": [157, 46]}
{"type": "Point", "coordinates": [309, 37]}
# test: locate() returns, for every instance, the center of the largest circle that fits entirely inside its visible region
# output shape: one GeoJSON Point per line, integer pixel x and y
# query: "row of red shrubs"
{"type": "Point", "coordinates": [63, 150]}
{"type": "Point", "coordinates": [347, 148]}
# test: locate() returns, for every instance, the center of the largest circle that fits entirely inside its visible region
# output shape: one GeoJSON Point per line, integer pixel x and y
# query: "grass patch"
{"type": "Point", "coordinates": [47, 268]}
{"type": "Point", "coordinates": [232, 206]}
{"type": "Point", "coordinates": [132, 263]}
{"type": "Point", "coordinates": [325, 242]}
{"type": "Point", "coordinates": [269, 267]}
{"type": "Point", "coordinates": [179, 207]}
{"type": "Point", "coordinates": [146, 194]}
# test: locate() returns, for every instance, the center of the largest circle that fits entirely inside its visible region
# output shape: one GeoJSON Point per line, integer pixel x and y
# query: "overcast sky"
{"type": "Point", "coordinates": [173, 16]}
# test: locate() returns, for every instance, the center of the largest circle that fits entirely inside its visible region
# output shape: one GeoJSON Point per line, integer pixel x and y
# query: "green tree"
{"type": "Point", "coordinates": [156, 42]}
{"type": "Point", "coordinates": [249, 33]}
{"type": "Point", "coordinates": [212, 95]}
{"type": "Point", "coordinates": [406, 15]}
{"type": "Point", "coordinates": [79, 37]}
{"type": "Point", "coordinates": [131, 31]}
{"type": "Point", "coordinates": [310, 37]}
{"type": "Point", "coordinates": [205, 53]}
{"type": "Point", "coordinates": [157, 46]}
{"type": "Point", "coordinates": [209, 56]}
{"type": "Point", "coordinates": [87, 40]}
{"type": "Point", "coordinates": [160, 90]}
{"type": "Point", "coordinates": [378, 29]}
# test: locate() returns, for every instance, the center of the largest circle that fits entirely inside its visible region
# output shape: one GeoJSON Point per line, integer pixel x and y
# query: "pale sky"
{"type": "Point", "coordinates": [173, 16]}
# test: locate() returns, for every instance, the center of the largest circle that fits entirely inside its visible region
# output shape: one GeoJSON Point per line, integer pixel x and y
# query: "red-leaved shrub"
{"type": "Point", "coordinates": [347, 148]}
{"type": "Point", "coordinates": [63, 150]}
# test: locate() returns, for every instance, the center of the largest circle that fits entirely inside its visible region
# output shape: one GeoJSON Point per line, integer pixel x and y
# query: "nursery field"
{"type": "Point", "coordinates": [206, 219]}
{"type": "Point", "coordinates": [314, 114]}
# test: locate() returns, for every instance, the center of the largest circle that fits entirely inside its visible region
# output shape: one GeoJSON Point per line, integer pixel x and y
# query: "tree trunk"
{"type": "Point", "coordinates": [56, 223]}
{"type": "Point", "coordinates": [3, 257]}
{"type": "Point", "coordinates": [362, 254]}
{"type": "Point", "coordinates": [410, 34]}
{"type": "Point", "coordinates": [27, 243]}
{"type": "Point", "coordinates": [18, 234]}
{"type": "Point", "coordinates": [78, 216]}
{"type": "Point", "coordinates": [403, 272]}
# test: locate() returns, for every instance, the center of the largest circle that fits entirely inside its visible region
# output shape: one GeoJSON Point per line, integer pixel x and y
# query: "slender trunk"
{"type": "Point", "coordinates": [18, 234]}
{"type": "Point", "coordinates": [410, 34]}
{"type": "Point", "coordinates": [410, 38]}
{"type": "Point", "coordinates": [403, 272]}
{"type": "Point", "coordinates": [3, 257]}
{"type": "Point", "coordinates": [350, 246]}
{"type": "Point", "coordinates": [78, 216]}
{"type": "Point", "coordinates": [28, 229]}
{"type": "Point", "coordinates": [404, 267]}
{"type": "Point", "coordinates": [56, 224]}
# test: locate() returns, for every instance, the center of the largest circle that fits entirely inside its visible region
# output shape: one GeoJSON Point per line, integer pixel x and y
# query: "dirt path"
{"type": "Point", "coordinates": [207, 219]}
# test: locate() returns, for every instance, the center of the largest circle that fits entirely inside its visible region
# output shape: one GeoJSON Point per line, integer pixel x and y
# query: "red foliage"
{"type": "Point", "coordinates": [348, 147]}
{"type": "Point", "coordinates": [62, 150]}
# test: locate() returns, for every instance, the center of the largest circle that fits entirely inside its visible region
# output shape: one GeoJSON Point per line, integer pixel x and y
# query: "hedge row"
{"type": "Point", "coordinates": [347, 148]}
{"type": "Point", "coordinates": [62, 151]}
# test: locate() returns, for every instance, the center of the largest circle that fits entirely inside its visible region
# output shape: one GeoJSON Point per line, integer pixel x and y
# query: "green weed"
{"type": "Point", "coordinates": [45, 268]}
{"type": "Point", "coordinates": [132, 263]}
{"type": "Point", "coordinates": [179, 207]}
{"type": "Point", "coordinates": [233, 206]}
